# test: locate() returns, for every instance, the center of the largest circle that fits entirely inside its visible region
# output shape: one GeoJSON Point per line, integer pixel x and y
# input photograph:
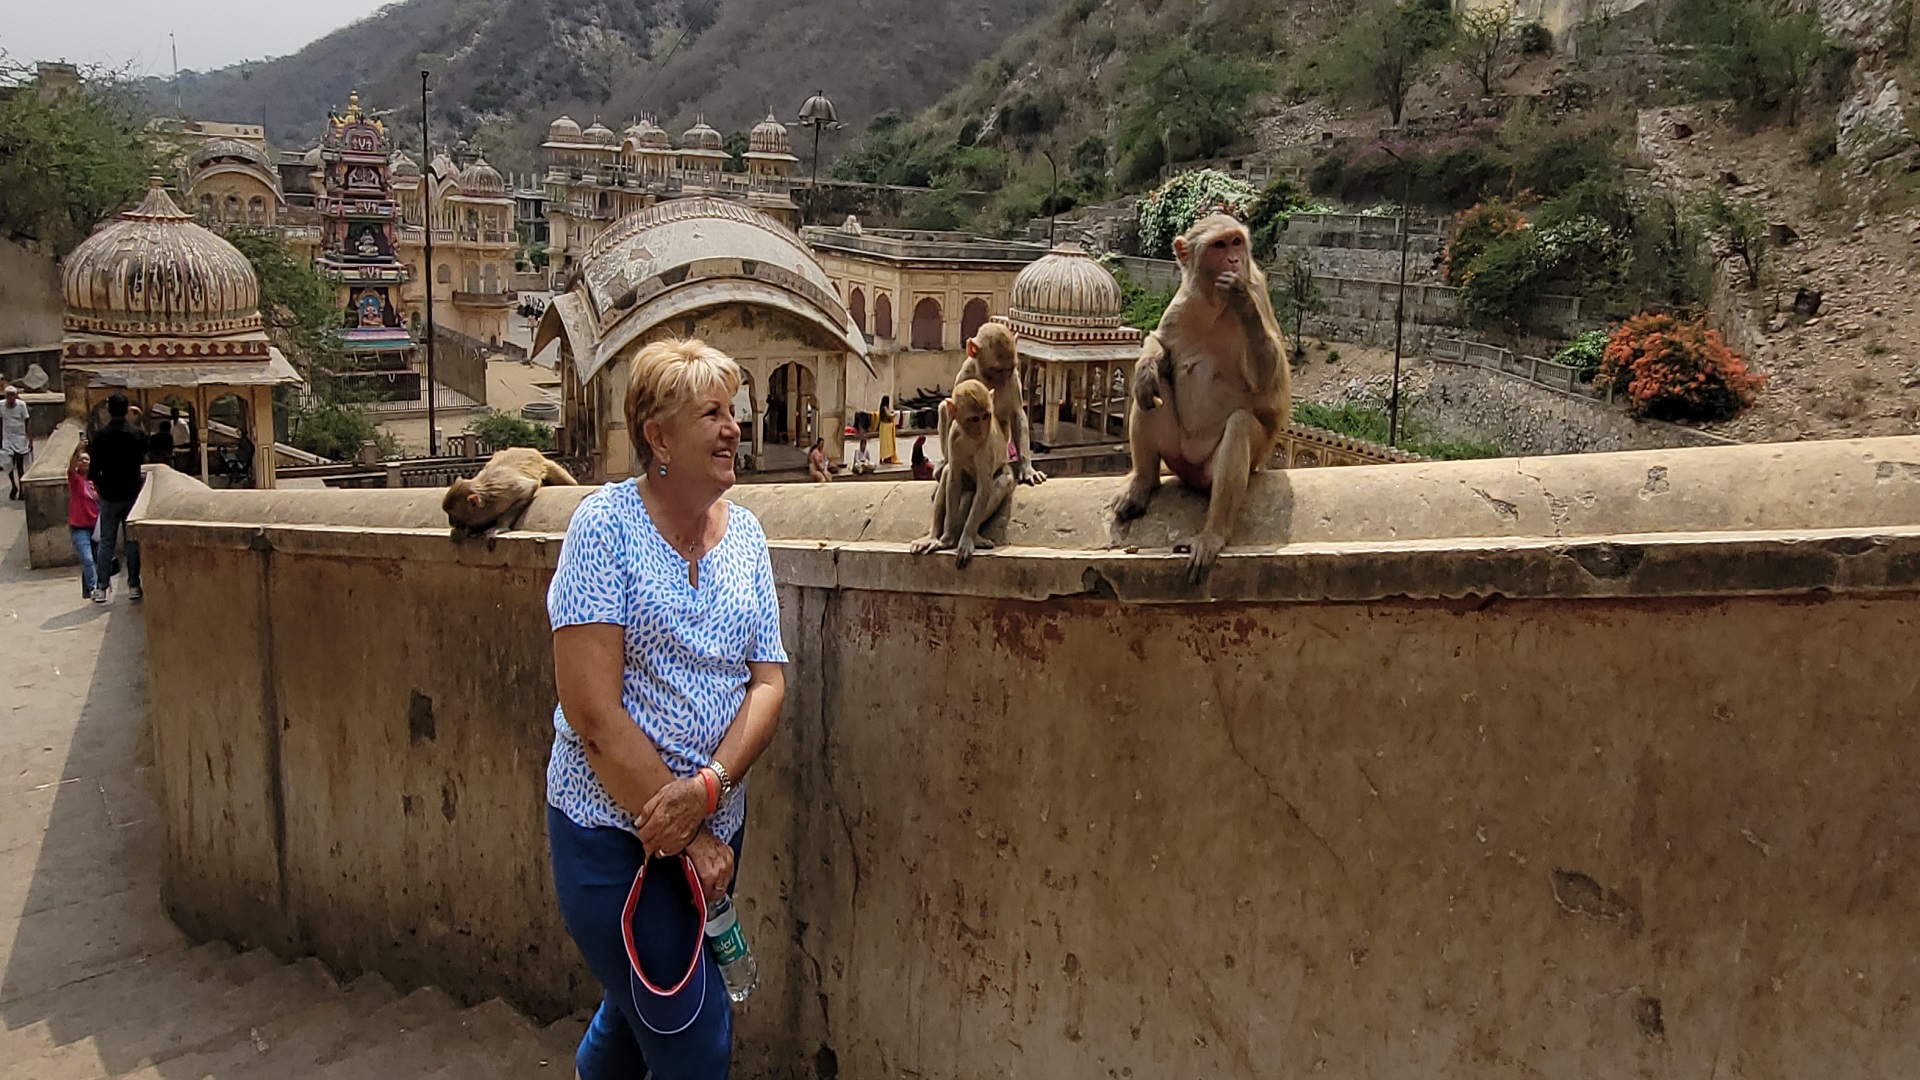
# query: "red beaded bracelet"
{"type": "Point", "coordinates": [713, 790]}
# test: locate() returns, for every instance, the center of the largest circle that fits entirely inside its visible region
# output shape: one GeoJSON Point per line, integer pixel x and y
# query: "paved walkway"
{"type": "Point", "coordinates": [95, 981]}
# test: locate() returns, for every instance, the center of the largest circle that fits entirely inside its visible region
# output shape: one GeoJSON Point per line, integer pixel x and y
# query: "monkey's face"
{"type": "Point", "coordinates": [974, 420]}
{"type": "Point", "coordinates": [1224, 252]}
{"type": "Point", "coordinates": [996, 367]}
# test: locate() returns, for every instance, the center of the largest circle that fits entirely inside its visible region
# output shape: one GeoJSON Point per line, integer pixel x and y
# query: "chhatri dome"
{"type": "Point", "coordinates": [702, 136]}
{"type": "Point", "coordinates": [482, 177]}
{"type": "Point", "coordinates": [563, 130]}
{"type": "Point", "coordinates": [400, 166]}
{"type": "Point", "coordinates": [1065, 308]}
{"type": "Point", "coordinates": [153, 282]}
{"type": "Point", "coordinates": [769, 136]}
{"type": "Point", "coordinates": [598, 134]}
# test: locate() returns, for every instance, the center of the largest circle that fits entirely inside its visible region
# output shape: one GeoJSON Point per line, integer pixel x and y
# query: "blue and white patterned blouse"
{"type": "Point", "coordinates": [687, 649]}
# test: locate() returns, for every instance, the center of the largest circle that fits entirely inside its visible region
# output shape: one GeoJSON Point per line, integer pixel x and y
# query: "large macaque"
{"type": "Point", "coordinates": [993, 359]}
{"type": "Point", "coordinates": [494, 500]}
{"type": "Point", "coordinates": [1211, 393]}
{"type": "Point", "coordinates": [976, 481]}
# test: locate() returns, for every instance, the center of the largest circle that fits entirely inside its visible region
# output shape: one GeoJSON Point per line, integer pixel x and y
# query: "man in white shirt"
{"type": "Point", "coordinates": [15, 443]}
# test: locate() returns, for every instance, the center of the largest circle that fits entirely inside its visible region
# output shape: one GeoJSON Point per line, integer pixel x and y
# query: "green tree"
{"type": "Point", "coordinates": [1384, 50]}
{"type": "Point", "coordinates": [500, 430]}
{"type": "Point", "coordinates": [1738, 231]}
{"type": "Point", "coordinates": [67, 159]}
{"type": "Point", "coordinates": [1764, 54]}
{"type": "Point", "coordinates": [1295, 296]}
{"type": "Point", "coordinates": [299, 306]}
{"type": "Point", "coordinates": [1186, 104]}
{"type": "Point", "coordinates": [1484, 38]}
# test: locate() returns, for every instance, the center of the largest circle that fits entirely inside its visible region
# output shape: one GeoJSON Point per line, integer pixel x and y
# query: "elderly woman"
{"type": "Point", "coordinates": [667, 656]}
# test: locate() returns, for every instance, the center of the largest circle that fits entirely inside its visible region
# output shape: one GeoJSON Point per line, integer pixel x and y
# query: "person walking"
{"type": "Point", "coordinates": [15, 440]}
{"type": "Point", "coordinates": [83, 513]}
{"type": "Point", "coordinates": [117, 451]}
{"type": "Point", "coordinates": [667, 660]}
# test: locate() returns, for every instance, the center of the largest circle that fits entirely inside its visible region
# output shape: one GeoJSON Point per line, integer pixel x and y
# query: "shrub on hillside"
{"type": "Point", "coordinates": [1535, 39]}
{"type": "Point", "coordinates": [1267, 217]}
{"type": "Point", "coordinates": [1676, 369]}
{"type": "Point", "coordinates": [1504, 284]}
{"type": "Point", "coordinates": [1584, 353]}
{"type": "Point", "coordinates": [1446, 172]}
{"type": "Point", "coordinates": [1174, 206]}
{"type": "Point", "coordinates": [335, 430]}
{"type": "Point", "coordinates": [1474, 231]}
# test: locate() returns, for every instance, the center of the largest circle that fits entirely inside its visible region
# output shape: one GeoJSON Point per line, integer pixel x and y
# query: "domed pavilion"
{"type": "Point", "coordinates": [168, 313]}
{"type": "Point", "coordinates": [1064, 312]}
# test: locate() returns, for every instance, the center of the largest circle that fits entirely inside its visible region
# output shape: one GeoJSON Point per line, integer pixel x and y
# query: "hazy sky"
{"type": "Point", "coordinates": [211, 33]}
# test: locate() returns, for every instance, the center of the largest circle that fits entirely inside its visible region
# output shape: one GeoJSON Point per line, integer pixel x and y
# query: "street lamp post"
{"type": "Point", "coordinates": [818, 113]}
{"type": "Point", "coordinates": [426, 211]}
{"type": "Point", "coordinates": [1400, 301]}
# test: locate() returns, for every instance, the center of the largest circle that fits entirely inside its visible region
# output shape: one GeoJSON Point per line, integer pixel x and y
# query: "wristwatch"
{"type": "Point", "coordinates": [726, 781]}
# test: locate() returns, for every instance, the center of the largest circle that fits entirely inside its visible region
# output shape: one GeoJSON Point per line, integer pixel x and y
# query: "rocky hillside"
{"type": "Point", "coordinates": [521, 62]}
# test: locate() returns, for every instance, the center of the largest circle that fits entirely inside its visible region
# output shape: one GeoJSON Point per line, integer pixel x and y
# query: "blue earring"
{"type": "Point", "coordinates": [663, 468]}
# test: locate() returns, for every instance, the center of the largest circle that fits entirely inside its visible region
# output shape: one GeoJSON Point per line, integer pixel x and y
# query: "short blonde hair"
{"type": "Point", "coordinates": [667, 377]}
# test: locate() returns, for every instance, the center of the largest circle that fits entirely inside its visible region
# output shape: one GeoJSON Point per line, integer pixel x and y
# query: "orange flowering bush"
{"type": "Point", "coordinates": [1474, 231]}
{"type": "Point", "coordinates": [1676, 369]}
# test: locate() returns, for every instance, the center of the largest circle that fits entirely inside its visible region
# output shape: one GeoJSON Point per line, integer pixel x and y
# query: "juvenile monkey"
{"type": "Point", "coordinates": [993, 359]}
{"type": "Point", "coordinates": [494, 500]}
{"type": "Point", "coordinates": [1211, 393]}
{"type": "Point", "coordinates": [977, 480]}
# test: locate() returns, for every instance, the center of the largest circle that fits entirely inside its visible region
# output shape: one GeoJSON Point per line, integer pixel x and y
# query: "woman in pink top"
{"type": "Point", "coordinates": [83, 512]}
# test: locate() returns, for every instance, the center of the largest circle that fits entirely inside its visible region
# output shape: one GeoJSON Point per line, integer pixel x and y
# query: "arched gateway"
{"type": "Point", "coordinates": [698, 268]}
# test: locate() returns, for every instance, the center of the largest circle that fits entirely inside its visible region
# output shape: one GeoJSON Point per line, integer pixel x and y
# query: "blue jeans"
{"type": "Point", "coordinates": [83, 547]}
{"type": "Point", "coordinates": [113, 518]}
{"type": "Point", "coordinates": [592, 872]}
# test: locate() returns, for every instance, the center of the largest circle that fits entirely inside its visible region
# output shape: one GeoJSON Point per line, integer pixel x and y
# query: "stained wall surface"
{"type": "Point", "coordinates": [1593, 766]}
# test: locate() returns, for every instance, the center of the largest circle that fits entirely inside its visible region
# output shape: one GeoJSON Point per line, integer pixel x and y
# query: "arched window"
{"type": "Point", "coordinates": [473, 278]}
{"type": "Point", "coordinates": [927, 320]}
{"type": "Point", "coordinates": [492, 277]}
{"type": "Point", "coordinates": [972, 318]}
{"type": "Point", "coordinates": [857, 305]}
{"type": "Point", "coordinates": [446, 274]}
{"type": "Point", "coordinates": [256, 211]}
{"type": "Point", "coordinates": [883, 317]}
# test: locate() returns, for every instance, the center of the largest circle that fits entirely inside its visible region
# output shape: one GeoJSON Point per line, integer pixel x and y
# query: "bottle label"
{"type": "Point", "coordinates": [729, 945]}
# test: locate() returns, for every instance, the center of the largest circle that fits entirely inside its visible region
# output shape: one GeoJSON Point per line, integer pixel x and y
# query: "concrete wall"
{"type": "Point", "coordinates": [30, 297]}
{"type": "Point", "coordinates": [49, 544]}
{"type": "Point", "coordinates": [1583, 766]}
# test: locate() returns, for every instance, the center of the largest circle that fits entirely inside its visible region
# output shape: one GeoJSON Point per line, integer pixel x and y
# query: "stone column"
{"type": "Point", "coordinates": [1052, 388]}
{"type": "Point", "coordinates": [201, 430]}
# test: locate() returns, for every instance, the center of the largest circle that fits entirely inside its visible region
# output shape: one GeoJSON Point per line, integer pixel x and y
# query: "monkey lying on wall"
{"type": "Point", "coordinates": [977, 466]}
{"type": "Point", "coordinates": [1211, 393]}
{"type": "Point", "coordinates": [495, 498]}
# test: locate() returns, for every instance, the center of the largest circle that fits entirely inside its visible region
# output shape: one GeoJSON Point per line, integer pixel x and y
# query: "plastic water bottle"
{"type": "Point", "coordinates": [737, 965]}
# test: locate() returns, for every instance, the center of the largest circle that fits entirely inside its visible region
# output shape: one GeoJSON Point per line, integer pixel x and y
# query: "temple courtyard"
{"type": "Point", "coordinates": [95, 980]}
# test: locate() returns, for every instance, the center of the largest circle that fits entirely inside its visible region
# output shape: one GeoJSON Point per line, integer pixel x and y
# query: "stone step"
{"type": "Point", "coordinates": [285, 1045]}
{"type": "Point", "coordinates": [80, 1009]}
{"type": "Point", "coordinates": [172, 1027]}
{"type": "Point", "coordinates": [506, 1046]}
{"type": "Point", "coordinates": [450, 1042]}
{"type": "Point", "coordinates": [384, 1034]}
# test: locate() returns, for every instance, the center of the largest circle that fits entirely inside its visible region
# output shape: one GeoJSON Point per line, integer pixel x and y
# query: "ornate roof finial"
{"type": "Point", "coordinates": [353, 105]}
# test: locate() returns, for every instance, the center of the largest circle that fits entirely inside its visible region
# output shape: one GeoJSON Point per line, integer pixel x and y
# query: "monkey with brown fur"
{"type": "Point", "coordinates": [977, 480]}
{"type": "Point", "coordinates": [494, 500]}
{"type": "Point", "coordinates": [993, 359]}
{"type": "Point", "coordinates": [1211, 393]}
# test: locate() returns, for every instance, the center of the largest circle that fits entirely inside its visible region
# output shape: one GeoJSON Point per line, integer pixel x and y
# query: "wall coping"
{"type": "Point", "coordinates": [1784, 518]}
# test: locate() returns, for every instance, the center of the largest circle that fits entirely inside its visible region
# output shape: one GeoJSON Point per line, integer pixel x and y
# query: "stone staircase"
{"type": "Point", "coordinates": [209, 1013]}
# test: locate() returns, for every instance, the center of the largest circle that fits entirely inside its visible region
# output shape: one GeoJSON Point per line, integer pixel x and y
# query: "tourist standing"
{"type": "Point", "coordinates": [15, 441]}
{"type": "Point", "coordinates": [667, 658]}
{"type": "Point", "coordinates": [83, 515]}
{"type": "Point", "coordinates": [117, 451]}
{"type": "Point", "coordinates": [889, 448]}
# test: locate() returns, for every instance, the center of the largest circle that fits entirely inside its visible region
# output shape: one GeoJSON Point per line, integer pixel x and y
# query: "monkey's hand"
{"type": "Point", "coordinates": [1152, 373]}
{"type": "Point", "coordinates": [1233, 289]}
{"type": "Point", "coordinates": [963, 551]}
{"type": "Point", "coordinates": [1027, 474]}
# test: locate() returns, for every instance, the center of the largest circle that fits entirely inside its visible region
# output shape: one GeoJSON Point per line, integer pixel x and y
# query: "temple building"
{"type": "Point", "coordinates": [916, 297]}
{"type": "Point", "coordinates": [166, 312]}
{"type": "Point", "coordinates": [473, 243]}
{"type": "Point", "coordinates": [595, 177]}
{"type": "Point", "coordinates": [359, 253]}
{"type": "Point", "coordinates": [723, 272]}
{"type": "Point", "coordinates": [1076, 357]}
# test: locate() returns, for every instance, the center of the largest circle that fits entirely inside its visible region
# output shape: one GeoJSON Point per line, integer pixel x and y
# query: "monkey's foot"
{"type": "Point", "coordinates": [1031, 475]}
{"type": "Point", "coordinates": [963, 551]}
{"type": "Point", "coordinates": [982, 543]}
{"type": "Point", "coordinates": [1206, 551]}
{"type": "Point", "coordinates": [929, 543]}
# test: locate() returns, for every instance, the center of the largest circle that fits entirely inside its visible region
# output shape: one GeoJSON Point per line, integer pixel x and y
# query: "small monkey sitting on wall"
{"type": "Point", "coordinates": [1211, 393]}
{"type": "Point", "coordinates": [993, 359]}
{"type": "Point", "coordinates": [976, 466]}
{"type": "Point", "coordinates": [494, 499]}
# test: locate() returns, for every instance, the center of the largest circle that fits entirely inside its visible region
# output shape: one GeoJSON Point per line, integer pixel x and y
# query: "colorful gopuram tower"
{"type": "Point", "coordinates": [358, 216]}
